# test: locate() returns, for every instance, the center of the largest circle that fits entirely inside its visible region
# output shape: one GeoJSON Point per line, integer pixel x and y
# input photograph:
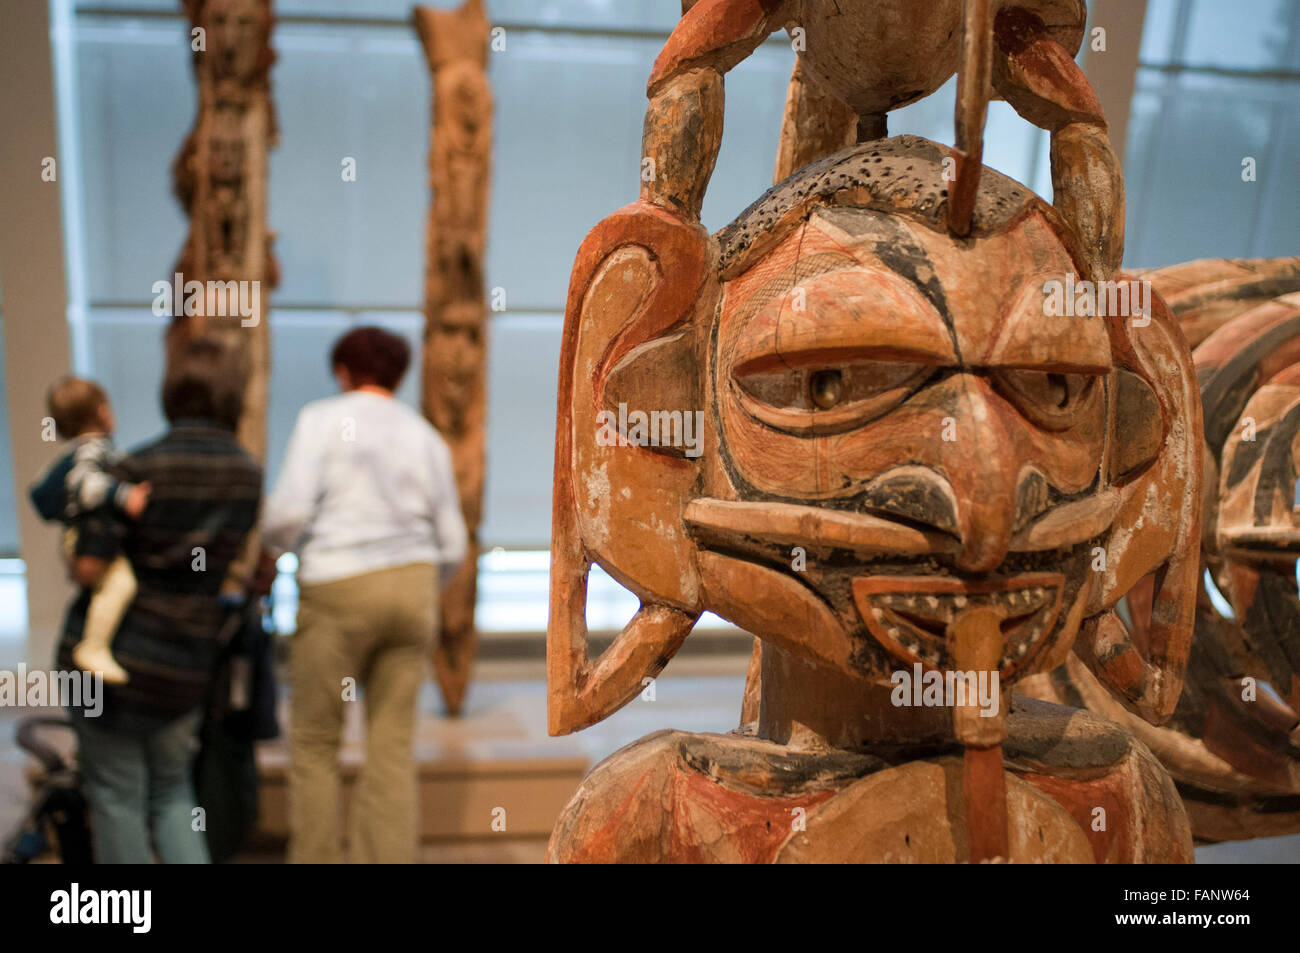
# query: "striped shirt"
{"type": "Point", "coordinates": [205, 498]}
{"type": "Point", "coordinates": [89, 484]}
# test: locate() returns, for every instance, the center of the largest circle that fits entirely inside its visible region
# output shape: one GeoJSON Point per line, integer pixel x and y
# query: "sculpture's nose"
{"type": "Point", "coordinates": [966, 486]}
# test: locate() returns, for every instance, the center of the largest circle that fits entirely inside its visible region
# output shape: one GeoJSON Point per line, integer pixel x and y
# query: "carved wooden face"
{"type": "Point", "coordinates": [893, 438]}
{"type": "Point", "coordinates": [462, 90]}
{"type": "Point", "coordinates": [227, 148]}
{"type": "Point", "coordinates": [237, 33]}
{"type": "Point", "coordinates": [456, 347]}
{"type": "Point", "coordinates": [901, 397]}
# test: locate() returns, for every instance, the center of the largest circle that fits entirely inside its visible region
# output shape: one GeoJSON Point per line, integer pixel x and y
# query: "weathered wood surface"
{"type": "Point", "coordinates": [740, 799]}
{"type": "Point", "coordinates": [454, 393]}
{"type": "Point", "coordinates": [1232, 745]}
{"type": "Point", "coordinates": [824, 344]}
{"type": "Point", "coordinates": [220, 178]}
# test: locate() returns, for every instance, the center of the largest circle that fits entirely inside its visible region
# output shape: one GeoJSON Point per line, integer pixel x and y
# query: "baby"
{"type": "Point", "coordinates": [77, 483]}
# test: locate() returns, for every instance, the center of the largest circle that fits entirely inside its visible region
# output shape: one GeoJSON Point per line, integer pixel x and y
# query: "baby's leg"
{"type": "Point", "coordinates": [108, 603]}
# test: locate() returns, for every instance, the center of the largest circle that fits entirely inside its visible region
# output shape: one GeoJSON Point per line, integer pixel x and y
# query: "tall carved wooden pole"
{"type": "Point", "coordinates": [226, 269]}
{"type": "Point", "coordinates": [455, 332]}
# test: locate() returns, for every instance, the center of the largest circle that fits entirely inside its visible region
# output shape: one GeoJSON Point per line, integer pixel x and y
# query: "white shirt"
{"type": "Point", "coordinates": [366, 484]}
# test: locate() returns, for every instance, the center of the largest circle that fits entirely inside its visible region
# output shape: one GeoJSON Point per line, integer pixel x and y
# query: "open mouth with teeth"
{"type": "Point", "coordinates": [876, 592]}
{"type": "Point", "coordinates": [912, 616]}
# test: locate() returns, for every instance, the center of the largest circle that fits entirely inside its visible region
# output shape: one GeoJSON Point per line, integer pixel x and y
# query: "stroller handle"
{"type": "Point", "coordinates": [27, 739]}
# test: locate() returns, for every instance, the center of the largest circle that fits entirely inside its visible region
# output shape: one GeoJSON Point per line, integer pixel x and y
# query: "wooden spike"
{"type": "Point", "coordinates": [973, 84]}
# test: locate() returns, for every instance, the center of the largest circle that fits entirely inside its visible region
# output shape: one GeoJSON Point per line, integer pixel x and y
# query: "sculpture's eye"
{"type": "Point", "coordinates": [1050, 399]}
{"type": "Point", "coordinates": [826, 388]}
{"type": "Point", "coordinates": [803, 394]}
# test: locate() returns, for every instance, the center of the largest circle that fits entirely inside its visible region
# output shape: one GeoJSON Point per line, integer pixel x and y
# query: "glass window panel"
{"type": "Point", "coordinates": [1243, 34]}
{"type": "Point", "coordinates": [1278, 232]}
{"type": "Point", "coordinates": [1011, 144]}
{"type": "Point", "coordinates": [1158, 32]}
{"type": "Point", "coordinates": [126, 348]}
{"type": "Point", "coordinates": [658, 15]}
{"type": "Point", "coordinates": [361, 93]}
{"type": "Point", "coordinates": [300, 344]}
{"type": "Point", "coordinates": [931, 117]}
{"type": "Point", "coordinates": [136, 102]}
{"type": "Point", "coordinates": [1189, 135]}
{"type": "Point", "coordinates": [523, 362]}
{"type": "Point", "coordinates": [568, 136]}
{"type": "Point", "coordinates": [336, 95]}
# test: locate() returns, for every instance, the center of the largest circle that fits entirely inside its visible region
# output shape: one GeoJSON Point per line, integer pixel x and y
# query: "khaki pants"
{"type": "Point", "coordinates": [364, 637]}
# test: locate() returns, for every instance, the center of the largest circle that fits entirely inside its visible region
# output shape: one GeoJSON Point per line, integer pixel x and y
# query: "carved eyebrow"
{"type": "Point", "coordinates": [785, 280]}
{"type": "Point", "coordinates": [863, 314]}
{"type": "Point", "coordinates": [897, 249]}
{"type": "Point", "coordinates": [909, 260]}
{"type": "Point", "coordinates": [1031, 340]}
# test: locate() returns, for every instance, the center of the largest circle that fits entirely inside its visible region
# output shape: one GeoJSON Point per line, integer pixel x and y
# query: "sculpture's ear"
{"type": "Point", "coordinates": [1153, 461]}
{"type": "Point", "coordinates": [630, 373]}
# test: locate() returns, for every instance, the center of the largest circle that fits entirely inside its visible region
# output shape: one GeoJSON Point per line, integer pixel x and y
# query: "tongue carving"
{"type": "Point", "coordinates": [975, 640]}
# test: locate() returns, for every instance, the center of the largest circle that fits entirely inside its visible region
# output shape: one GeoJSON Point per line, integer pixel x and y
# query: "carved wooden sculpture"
{"type": "Point", "coordinates": [455, 331]}
{"type": "Point", "coordinates": [1233, 746]}
{"type": "Point", "coordinates": [220, 178]}
{"type": "Point", "coordinates": [902, 465]}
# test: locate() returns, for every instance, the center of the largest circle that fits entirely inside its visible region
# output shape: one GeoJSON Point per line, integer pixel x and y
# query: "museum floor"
{"type": "Point", "coordinates": [498, 756]}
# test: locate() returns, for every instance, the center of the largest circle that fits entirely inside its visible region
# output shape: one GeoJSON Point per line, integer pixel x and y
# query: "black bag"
{"type": "Point", "coordinates": [240, 711]}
